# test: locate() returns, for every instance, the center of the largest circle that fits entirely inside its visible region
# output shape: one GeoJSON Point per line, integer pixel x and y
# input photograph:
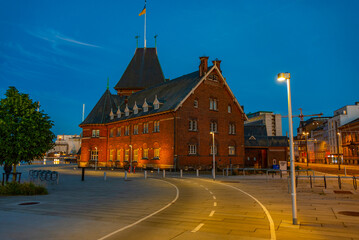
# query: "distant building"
{"type": "Point", "coordinates": [341, 117]}
{"type": "Point", "coordinates": [272, 122]}
{"type": "Point", "coordinates": [303, 142]}
{"type": "Point", "coordinates": [156, 123]}
{"type": "Point", "coordinates": [66, 144]}
{"type": "Point", "coordinates": [350, 142]}
{"type": "Point", "coordinates": [319, 144]}
{"type": "Point", "coordinates": [262, 151]}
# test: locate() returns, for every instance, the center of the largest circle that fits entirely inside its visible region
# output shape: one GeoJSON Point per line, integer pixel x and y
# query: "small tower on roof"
{"type": "Point", "coordinates": [142, 72]}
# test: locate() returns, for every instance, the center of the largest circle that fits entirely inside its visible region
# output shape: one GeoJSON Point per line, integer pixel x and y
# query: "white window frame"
{"type": "Point", "coordinates": [135, 129]}
{"type": "Point", "coordinates": [213, 126]}
{"type": "Point", "coordinates": [145, 127]}
{"type": "Point", "coordinates": [231, 150]}
{"type": "Point", "coordinates": [195, 103]}
{"type": "Point", "coordinates": [192, 149]}
{"type": "Point", "coordinates": [94, 155]}
{"type": "Point", "coordinates": [145, 153]}
{"type": "Point", "coordinates": [156, 153]}
{"type": "Point", "coordinates": [156, 126]}
{"type": "Point", "coordinates": [229, 108]}
{"type": "Point", "coordinates": [215, 149]}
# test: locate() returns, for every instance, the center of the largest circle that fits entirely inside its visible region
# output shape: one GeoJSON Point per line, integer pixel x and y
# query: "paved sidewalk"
{"type": "Point", "coordinates": [94, 208]}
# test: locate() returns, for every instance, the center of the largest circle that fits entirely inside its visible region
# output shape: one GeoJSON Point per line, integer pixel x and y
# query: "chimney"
{"type": "Point", "coordinates": [203, 67]}
{"type": "Point", "coordinates": [217, 63]}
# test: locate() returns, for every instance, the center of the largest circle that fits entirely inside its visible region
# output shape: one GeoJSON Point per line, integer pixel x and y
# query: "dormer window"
{"type": "Point", "coordinates": [118, 113]}
{"type": "Point", "coordinates": [156, 103]}
{"type": "Point", "coordinates": [135, 108]}
{"type": "Point", "coordinates": [111, 115]}
{"type": "Point", "coordinates": [145, 106]}
{"type": "Point", "coordinates": [127, 111]}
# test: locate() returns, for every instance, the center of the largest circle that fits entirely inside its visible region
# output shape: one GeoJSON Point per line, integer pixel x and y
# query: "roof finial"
{"type": "Point", "coordinates": [108, 82]}
{"type": "Point", "coordinates": [137, 40]}
{"type": "Point", "coordinates": [156, 40]}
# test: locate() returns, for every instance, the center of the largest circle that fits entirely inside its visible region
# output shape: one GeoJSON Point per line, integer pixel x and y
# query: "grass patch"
{"type": "Point", "coordinates": [15, 188]}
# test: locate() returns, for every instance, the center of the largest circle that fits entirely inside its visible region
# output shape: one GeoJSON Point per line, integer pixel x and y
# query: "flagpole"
{"type": "Point", "coordinates": [145, 23]}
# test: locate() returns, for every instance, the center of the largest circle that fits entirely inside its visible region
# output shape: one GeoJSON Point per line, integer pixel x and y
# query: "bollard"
{"type": "Point", "coordinates": [355, 183]}
{"type": "Point", "coordinates": [58, 178]}
{"type": "Point", "coordinates": [339, 182]}
{"type": "Point", "coordinates": [104, 176]}
{"type": "Point", "coordinates": [325, 182]}
{"type": "Point", "coordinates": [125, 175]}
{"type": "Point", "coordinates": [164, 173]}
{"type": "Point", "coordinates": [181, 173]}
{"type": "Point", "coordinates": [314, 177]}
{"type": "Point", "coordinates": [223, 172]}
{"type": "Point", "coordinates": [197, 173]}
{"type": "Point", "coordinates": [158, 170]}
{"type": "Point", "coordinates": [244, 172]}
{"type": "Point", "coordinates": [83, 174]}
{"type": "Point", "coordinates": [267, 175]}
{"type": "Point", "coordinates": [227, 172]}
{"type": "Point", "coordinates": [281, 174]}
{"type": "Point", "coordinates": [345, 171]}
{"type": "Point", "coordinates": [310, 178]}
{"type": "Point", "coordinates": [145, 174]}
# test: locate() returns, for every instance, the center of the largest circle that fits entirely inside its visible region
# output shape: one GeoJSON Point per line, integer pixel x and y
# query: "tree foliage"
{"type": "Point", "coordinates": [25, 132]}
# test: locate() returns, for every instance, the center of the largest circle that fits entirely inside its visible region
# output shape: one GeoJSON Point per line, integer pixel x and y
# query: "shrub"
{"type": "Point", "coordinates": [15, 188]}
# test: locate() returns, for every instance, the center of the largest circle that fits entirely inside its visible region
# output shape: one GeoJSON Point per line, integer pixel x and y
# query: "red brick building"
{"type": "Point", "coordinates": [154, 122]}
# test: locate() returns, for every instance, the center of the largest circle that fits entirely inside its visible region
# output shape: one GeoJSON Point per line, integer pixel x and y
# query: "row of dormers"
{"type": "Point", "coordinates": [135, 109]}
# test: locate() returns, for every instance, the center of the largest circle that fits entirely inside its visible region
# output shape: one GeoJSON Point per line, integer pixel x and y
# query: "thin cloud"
{"type": "Point", "coordinates": [57, 38]}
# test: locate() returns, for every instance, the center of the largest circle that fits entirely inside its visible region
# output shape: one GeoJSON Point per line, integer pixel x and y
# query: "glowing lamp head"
{"type": "Point", "coordinates": [281, 77]}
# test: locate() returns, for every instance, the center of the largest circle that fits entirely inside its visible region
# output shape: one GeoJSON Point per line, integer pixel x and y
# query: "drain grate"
{"type": "Point", "coordinates": [349, 213]}
{"type": "Point", "coordinates": [29, 203]}
{"type": "Point", "coordinates": [342, 192]}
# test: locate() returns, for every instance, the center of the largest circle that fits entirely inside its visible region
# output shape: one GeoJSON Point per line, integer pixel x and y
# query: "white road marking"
{"type": "Point", "coordinates": [215, 204]}
{"type": "Point", "coordinates": [201, 185]}
{"type": "Point", "coordinates": [198, 227]}
{"type": "Point", "coordinates": [210, 192]}
{"type": "Point", "coordinates": [271, 223]}
{"type": "Point", "coordinates": [206, 189]}
{"type": "Point", "coordinates": [214, 197]}
{"type": "Point", "coordinates": [211, 214]}
{"type": "Point", "coordinates": [148, 216]}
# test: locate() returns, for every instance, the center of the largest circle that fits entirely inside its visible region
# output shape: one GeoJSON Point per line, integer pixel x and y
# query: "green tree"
{"type": "Point", "coordinates": [25, 132]}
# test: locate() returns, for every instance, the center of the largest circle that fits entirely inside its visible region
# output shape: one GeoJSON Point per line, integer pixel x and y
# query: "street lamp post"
{"type": "Point", "coordinates": [339, 160]}
{"type": "Point", "coordinates": [96, 159]}
{"type": "Point", "coordinates": [286, 77]}
{"type": "Point", "coordinates": [130, 159]}
{"type": "Point", "coordinates": [213, 154]}
{"type": "Point", "coordinates": [306, 146]}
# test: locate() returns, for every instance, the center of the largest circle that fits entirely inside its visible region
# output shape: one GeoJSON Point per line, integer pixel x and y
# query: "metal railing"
{"type": "Point", "coordinates": [44, 175]}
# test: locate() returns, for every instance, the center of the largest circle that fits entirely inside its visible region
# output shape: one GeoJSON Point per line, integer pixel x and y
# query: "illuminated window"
{"type": "Point", "coordinates": [145, 153]}
{"type": "Point", "coordinates": [156, 153]}
{"type": "Point", "coordinates": [156, 126]}
{"type": "Point", "coordinates": [118, 132]}
{"type": "Point", "coordinates": [111, 154]}
{"type": "Point", "coordinates": [192, 149]}
{"type": "Point", "coordinates": [94, 154]}
{"type": "Point", "coordinates": [127, 154]}
{"type": "Point", "coordinates": [231, 150]}
{"type": "Point", "coordinates": [135, 155]}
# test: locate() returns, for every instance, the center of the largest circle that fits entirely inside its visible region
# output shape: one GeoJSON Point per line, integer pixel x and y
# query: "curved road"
{"type": "Point", "coordinates": [203, 210]}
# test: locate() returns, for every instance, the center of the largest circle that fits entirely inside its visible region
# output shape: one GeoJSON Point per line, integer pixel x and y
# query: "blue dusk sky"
{"type": "Point", "coordinates": [62, 52]}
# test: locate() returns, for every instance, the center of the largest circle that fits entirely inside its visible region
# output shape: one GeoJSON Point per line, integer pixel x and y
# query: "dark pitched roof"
{"type": "Point", "coordinates": [266, 141]}
{"type": "Point", "coordinates": [255, 130]}
{"type": "Point", "coordinates": [101, 112]}
{"type": "Point", "coordinates": [169, 94]}
{"type": "Point", "coordinates": [143, 71]}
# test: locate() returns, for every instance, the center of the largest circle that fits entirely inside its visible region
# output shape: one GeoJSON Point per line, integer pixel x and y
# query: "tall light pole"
{"type": "Point", "coordinates": [306, 146]}
{"type": "Point", "coordinates": [281, 77]}
{"type": "Point", "coordinates": [96, 159]}
{"type": "Point", "coordinates": [214, 158]}
{"type": "Point", "coordinates": [130, 159]}
{"type": "Point", "coordinates": [339, 160]}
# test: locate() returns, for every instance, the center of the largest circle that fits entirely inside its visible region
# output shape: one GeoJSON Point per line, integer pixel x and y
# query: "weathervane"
{"type": "Point", "coordinates": [156, 40]}
{"type": "Point", "coordinates": [137, 37]}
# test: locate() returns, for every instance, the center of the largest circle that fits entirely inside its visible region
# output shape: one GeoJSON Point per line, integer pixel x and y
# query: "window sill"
{"type": "Point", "coordinates": [155, 158]}
{"type": "Point", "coordinates": [144, 158]}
